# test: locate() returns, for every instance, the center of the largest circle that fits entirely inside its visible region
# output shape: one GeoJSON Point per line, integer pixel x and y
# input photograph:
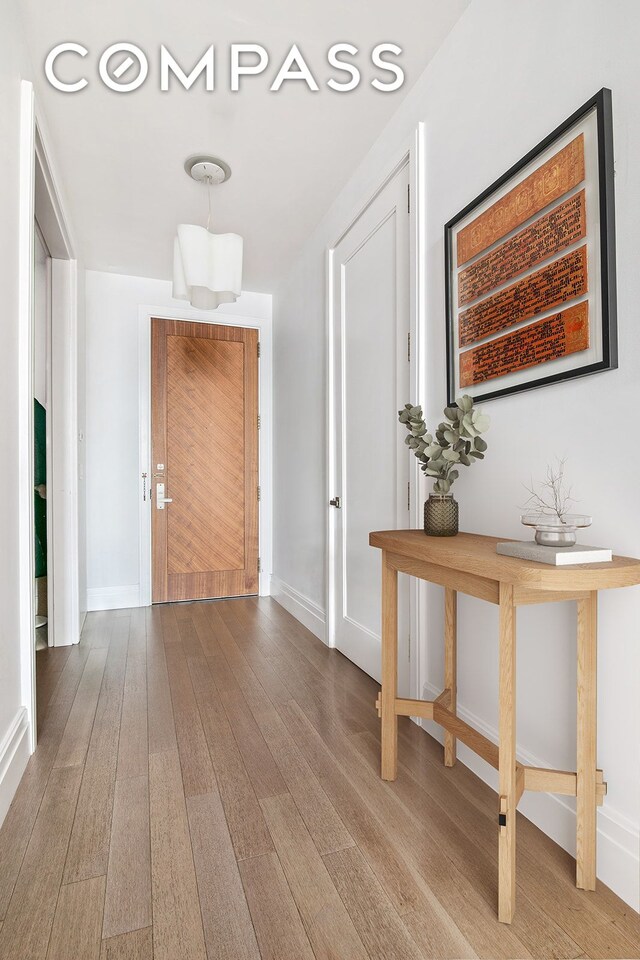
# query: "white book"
{"type": "Point", "coordinates": [556, 556]}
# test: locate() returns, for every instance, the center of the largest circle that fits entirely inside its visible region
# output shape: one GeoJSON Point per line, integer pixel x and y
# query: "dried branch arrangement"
{"type": "Point", "coordinates": [551, 496]}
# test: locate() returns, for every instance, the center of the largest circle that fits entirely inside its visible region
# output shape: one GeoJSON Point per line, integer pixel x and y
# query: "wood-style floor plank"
{"type": "Point", "coordinates": [160, 723]}
{"type": "Point", "coordinates": [89, 845]}
{"type": "Point", "coordinates": [133, 745]}
{"type": "Point", "coordinates": [78, 921]}
{"type": "Point", "coordinates": [413, 897]}
{"type": "Point", "coordinates": [50, 664]}
{"type": "Point", "coordinates": [328, 925]}
{"type": "Point", "coordinates": [228, 930]}
{"type": "Point", "coordinates": [462, 897]}
{"type": "Point", "coordinates": [258, 760]}
{"type": "Point", "coordinates": [246, 823]}
{"type": "Point", "coordinates": [71, 675]}
{"type": "Point", "coordinates": [27, 926]}
{"type": "Point", "coordinates": [18, 824]}
{"type": "Point", "coordinates": [128, 894]}
{"type": "Point", "coordinates": [197, 770]}
{"type": "Point", "coordinates": [277, 922]}
{"type": "Point", "coordinates": [221, 767]}
{"type": "Point", "coordinates": [320, 816]}
{"type": "Point", "coordinates": [75, 740]}
{"type": "Point", "coordinates": [137, 945]}
{"type": "Point", "coordinates": [378, 924]}
{"type": "Point", "coordinates": [177, 921]}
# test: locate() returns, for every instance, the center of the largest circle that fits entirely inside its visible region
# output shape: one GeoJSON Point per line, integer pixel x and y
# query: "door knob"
{"type": "Point", "coordinates": [160, 497]}
{"type": "Point", "coordinates": [335, 502]}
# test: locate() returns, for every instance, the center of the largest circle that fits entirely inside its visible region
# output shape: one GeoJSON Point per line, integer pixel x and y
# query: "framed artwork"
{"type": "Point", "coordinates": [530, 266]}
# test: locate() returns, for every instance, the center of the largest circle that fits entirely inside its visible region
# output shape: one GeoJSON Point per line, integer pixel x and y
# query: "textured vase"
{"type": "Point", "coordinates": [441, 515]}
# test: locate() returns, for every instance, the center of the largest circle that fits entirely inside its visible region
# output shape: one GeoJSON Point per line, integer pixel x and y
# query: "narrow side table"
{"type": "Point", "coordinates": [468, 563]}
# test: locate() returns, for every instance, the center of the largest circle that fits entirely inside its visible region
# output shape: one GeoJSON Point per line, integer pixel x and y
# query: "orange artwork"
{"type": "Point", "coordinates": [551, 233]}
{"type": "Point", "coordinates": [564, 279]}
{"type": "Point", "coordinates": [549, 182]}
{"type": "Point", "coordinates": [549, 339]}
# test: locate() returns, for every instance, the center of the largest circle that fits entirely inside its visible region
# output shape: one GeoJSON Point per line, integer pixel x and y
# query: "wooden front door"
{"type": "Point", "coordinates": [204, 490]}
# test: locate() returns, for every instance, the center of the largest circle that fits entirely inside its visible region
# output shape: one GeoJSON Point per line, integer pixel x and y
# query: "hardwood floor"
{"type": "Point", "coordinates": [206, 786]}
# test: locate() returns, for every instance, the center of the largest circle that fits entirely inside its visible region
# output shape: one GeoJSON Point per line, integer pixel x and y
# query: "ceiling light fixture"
{"type": "Point", "coordinates": [207, 267]}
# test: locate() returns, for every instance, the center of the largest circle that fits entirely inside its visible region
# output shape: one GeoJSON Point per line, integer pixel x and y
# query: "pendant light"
{"type": "Point", "coordinates": [207, 267]}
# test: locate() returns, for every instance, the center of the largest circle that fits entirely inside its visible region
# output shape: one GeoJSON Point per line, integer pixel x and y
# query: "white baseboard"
{"type": "Point", "coordinates": [618, 851]}
{"type": "Point", "coordinates": [264, 584]}
{"type": "Point", "coordinates": [113, 598]}
{"type": "Point", "coordinates": [14, 754]}
{"type": "Point", "coordinates": [309, 613]}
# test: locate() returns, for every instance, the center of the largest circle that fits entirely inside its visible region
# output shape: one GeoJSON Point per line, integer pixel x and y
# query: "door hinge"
{"type": "Point", "coordinates": [258, 349]}
{"type": "Point", "coordinates": [408, 495]}
{"type": "Point", "coordinates": [409, 347]}
{"type": "Point", "coordinates": [408, 198]}
{"type": "Point", "coordinates": [144, 486]}
{"type": "Point", "coordinates": [259, 565]}
{"type": "Point", "coordinates": [409, 647]}
{"type": "Point", "coordinates": [259, 493]}
{"type": "Point", "coordinates": [259, 422]}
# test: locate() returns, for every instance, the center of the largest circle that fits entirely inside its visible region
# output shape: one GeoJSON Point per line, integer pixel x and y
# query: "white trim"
{"type": "Point", "coordinates": [113, 598]}
{"type": "Point", "coordinates": [618, 838]}
{"type": "Point", "coordinates": [308, 612]}
{"type": "Point", "coordinates": [145, 313]}
{"type": "Point", "coordinates": [418, 380]}
{"type": "Point", "coordinates": [64, 550]}
{"type": "Point", "coordinates": [14, 755]}
{"type": "Point", "coordinates": [25, 406]}
{"type": "Point", "coordinates": [330, 555]}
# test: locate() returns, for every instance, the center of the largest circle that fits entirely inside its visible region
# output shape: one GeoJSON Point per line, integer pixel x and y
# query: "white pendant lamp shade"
{"type": "Point", "coordinates": [207, 267]}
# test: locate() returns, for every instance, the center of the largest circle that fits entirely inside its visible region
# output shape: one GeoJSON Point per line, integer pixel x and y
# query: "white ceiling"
{"type": "Point", "coordinates": [121, 155]}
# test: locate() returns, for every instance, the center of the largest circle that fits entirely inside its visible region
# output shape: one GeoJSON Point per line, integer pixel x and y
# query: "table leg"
{"type": "Point", "coordinates": [389, 691]}
{"type": "Point", "coordinates": [507, 757]}
{"type": "Point", "coordinates": [587, 732]}
{"type": "Point", "coordinates": [450, 666]}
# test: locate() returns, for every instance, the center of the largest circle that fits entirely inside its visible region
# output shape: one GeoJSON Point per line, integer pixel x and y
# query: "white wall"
{"type": "Point", "coordinates": [113, 303]}
{"type": "Point", "coordinates": [504, 78]}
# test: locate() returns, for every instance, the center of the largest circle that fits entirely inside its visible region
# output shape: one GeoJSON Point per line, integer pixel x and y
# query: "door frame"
{"type": "Point", "coordinates": [413, 154]}
{"type": "Point", "coordinates": [265, 529]}
{"type": "Point", "coordinates": [62, 471]}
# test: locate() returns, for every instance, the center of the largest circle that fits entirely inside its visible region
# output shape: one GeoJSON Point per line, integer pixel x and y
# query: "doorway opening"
{"type": "Point", "coordinates": [48, 505]}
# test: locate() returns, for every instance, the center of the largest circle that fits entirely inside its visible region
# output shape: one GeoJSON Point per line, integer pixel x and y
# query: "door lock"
{"type": "Point", "coordinates": [160, 497]}
{"type": "Point", "coordinates": [335, 502]}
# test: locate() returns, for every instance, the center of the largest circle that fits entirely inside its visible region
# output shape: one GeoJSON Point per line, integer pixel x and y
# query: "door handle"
{"type": "Point", "coordinates": [160, 497]}
{"type": "Point", "coordinates": [335, 502]}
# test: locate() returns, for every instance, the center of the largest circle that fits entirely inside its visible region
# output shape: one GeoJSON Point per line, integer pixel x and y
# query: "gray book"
{"type": "Point", "coordinates": [556, 556]}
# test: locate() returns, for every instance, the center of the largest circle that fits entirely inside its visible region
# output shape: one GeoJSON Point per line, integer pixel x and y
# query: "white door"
{"type": "Point", "coordinates": [370, 298]}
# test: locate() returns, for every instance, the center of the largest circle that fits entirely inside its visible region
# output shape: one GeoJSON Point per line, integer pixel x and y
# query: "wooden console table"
{"type": "Point", "coordinates": [468, 563]}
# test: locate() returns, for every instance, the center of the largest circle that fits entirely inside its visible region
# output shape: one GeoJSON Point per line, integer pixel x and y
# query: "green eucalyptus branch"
{"type": "Point", "coordinates": [456, 442]}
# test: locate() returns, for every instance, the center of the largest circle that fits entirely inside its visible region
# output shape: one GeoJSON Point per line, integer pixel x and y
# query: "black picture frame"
{"type": "Point", "coordinates": [602, 103]}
